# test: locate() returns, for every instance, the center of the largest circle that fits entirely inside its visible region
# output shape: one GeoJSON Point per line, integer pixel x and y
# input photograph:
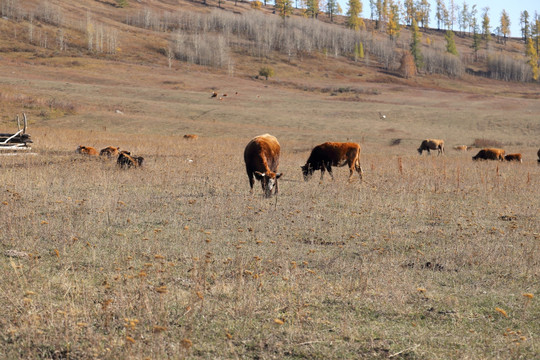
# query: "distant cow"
{"type": "Point", "coordinates": [109, 151]}
{"type": "Point", "coordinates": [461, 148]}
{"type": "Point", "coordinates": [87, 150]}
{"type": "Point", "coordinates": [125, 159]}
{"type": "Point", "coordinates": [191, 137]}
{"type": "Point", "coordinates": [513, 157]}
{"type": "Point", "coordinates": [261, 156]}
{"type": "Point", "coordinates": [329, 154]}
{"type": "Point", "coordinates": [538, 153]}
{"type": "Point", "coordinates": [490, 154]}
{"type": "Point", "coordinates": [432, 144]}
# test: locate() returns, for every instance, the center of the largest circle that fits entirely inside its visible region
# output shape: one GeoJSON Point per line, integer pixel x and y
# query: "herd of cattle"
{"type": "Point", "coordinates": [261, 156]}
{"type": "Point", "coordinates": [125, 158]}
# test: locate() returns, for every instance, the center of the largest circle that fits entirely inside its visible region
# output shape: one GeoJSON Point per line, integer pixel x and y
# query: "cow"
{"type": "Point", "coordinates": [513, 157]}
{"type": "Point", "coordinates": [432, 144]}
{"type": "Point", "coordinates": [191, 137]}
{"type": "Point", "coordinates": [461, 148]}
{"type": "Point", "coordinates": [490, 154]}
{"type": "Point", "coordinates": [329, 154]}
{"type": "Point", "coordinates": [109, 151]}
{"type": "Point", "coordinates": [261, 156]}
{"type": "Point", "coordinates": [87, 150]}
{"type": "Point", "coordinates": [125, 159]}
{"type": "Point", "coordinates": [538, 153]}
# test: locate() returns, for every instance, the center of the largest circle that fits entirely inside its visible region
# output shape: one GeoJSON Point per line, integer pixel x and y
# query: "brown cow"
{"type": "Point", "coordinates": [87, 150]}
{"type": "Point", "coordinates": [109, 151]}
{"type": "Point", "coordinates": [490, 154]}
{"type": "Point", "coordinates": [461, 148]}
{"type": "Point", "coordinates": [262, 160]}
{"type": "Point", "coordinates": [191, 137]}
{"type": "Point", "coordinates": [432, 144]}
{"type": "Point", "coordinates": [329, 154]}
{"type": "Point", "coordinates": [125, 159]}
{"type": "Point", "coordinates": [538, 153]}
{"type": "Point", "coordinates": [513, 157]}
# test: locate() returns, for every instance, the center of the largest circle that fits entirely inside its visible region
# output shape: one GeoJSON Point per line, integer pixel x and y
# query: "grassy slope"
{"type": "Point", "coordinates": [412, 262]}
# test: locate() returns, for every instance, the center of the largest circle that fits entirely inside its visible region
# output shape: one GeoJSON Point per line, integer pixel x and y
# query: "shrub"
{"type": "Point", "coordinates": [266, 71]}
{"type": "Point", "coordinates": [407, 68]}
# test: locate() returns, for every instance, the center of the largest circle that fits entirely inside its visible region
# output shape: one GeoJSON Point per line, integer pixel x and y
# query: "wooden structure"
{"type": "Point", "coordinates": [17, 141]}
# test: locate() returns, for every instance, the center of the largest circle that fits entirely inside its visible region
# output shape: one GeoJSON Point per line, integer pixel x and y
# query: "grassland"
{"type": "Point", "coordinates": [430, 257]}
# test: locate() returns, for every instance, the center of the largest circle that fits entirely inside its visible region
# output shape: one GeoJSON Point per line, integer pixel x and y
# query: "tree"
{"type": "Point", "coordinates": [486, 31]}
{"type": "Point", "coordinates": [441, 9]}
{"type": "Point", "coordinates": [535, 33]}
{"type": "Point", "coordinates": [476, 41]}
{"type": "Point", "coordinates": [451, 17]}
{"type": "Point", "coordinates": [415, 45]}
{"type": "Point", "coordinates": [533, 58]}
{"type": "Point", "coordinates": [463, 18]}
{"type": "Point", "coordinates": [353, 20]}
{"type": "Point", "coordinates": [450, 43]}
{"type": "Point", "coordinates": [311, 8]}
{"type": "Point", "coordinates": [525, 26]}
{"type": "Point", "coordinates": [393, 27]}
{"type": "Point", "coordinates": [284, 8]}
{"type": "Point", "coordinates": [505, 25]}
{"type": "Point", "coordinates": [473, 22]}
{"type": "Point", "coordinates": [422, 13]}
{"type": "Point", "coordinates": [410, 11]}
{"type": "Point", "coordinates": [332, 8]}
{"type": "Point", "coordinates": [407, 67]}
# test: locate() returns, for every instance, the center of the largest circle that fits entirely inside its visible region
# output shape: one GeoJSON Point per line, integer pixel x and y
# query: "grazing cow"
{"type": "Point", "coordinates": [432, 144]}
{"type": "Point", "coordinates": [214, 94]}
{"type": "Point", "coordinates": [87, 150]}
{"type": "Point", "coordinates": [461, 148]}
{"type": "Point", "coordinates": [262, 160]}
{"type": "Point", "coordinates": [513, 157]}
{"type": "Point", "coordinates": [125, 159]}
{"type": "Point", "coordinates": [538, 153]}
{"type": "Point", "coordinates": [490, 154]}
{"type": "Point", "coordinates": [109, 151]}
{"type": "Point", "coordinates": [191, 137]}
{"type": "Point", "coordinates": [329, 154]}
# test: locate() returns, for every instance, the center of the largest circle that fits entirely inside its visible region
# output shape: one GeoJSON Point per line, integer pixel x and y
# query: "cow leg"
{"type": "Point", "coordinates": [359, 169]}
{"type": "Point", "coordinates": [251, 181]}
{"type": "Point", "coordinates": [322, 171]}
{"type": "Point", "coordinates": [329, 168]}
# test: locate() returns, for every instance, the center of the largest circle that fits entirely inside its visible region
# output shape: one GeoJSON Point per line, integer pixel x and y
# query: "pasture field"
{"type": "Point", "coordinates": [430, 257]}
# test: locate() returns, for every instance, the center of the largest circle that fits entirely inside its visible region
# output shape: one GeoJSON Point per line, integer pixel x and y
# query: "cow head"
{"type": "Point", "coordinates": [268, 181]}
{"type": "Point", "coordinates": [307, 171]}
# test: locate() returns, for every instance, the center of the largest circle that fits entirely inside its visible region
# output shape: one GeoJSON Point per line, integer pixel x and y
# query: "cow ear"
{"type": "Point", "coordinates": [278, 175]}
{"type": "Point", "coordinates": [259, 175]}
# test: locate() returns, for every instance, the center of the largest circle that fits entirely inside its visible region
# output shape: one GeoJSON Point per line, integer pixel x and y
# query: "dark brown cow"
{"type": "Point", "coordinates": [490, 154]}
{"type": "Point", "coordinates": [87, 150]}
{"type": "Point", "coordinates": [125, 159]}
{"type": "Point", "coordinates": [513, 157]}
{"type": "Point", "coordinates": [432, 144]}
{"type": "Point", "coordinates": [262, 160]}
{"type": "Point", "coordinates": [109, 151]}
{"type": "Point", "coordinates": [329, 154]}
{"type": "Point", "coordinates": [538, 153]}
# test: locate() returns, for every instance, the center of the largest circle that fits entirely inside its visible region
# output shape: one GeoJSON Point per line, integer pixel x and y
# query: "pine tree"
{"type": "Point", "coordinates": [505, 25]}
{"type": "Point", "coordinates": [533, 58]}
{"type": "Point", "coordinates": [284, 8]}
{"type": "Point", "coordinates": [332, 9]}
{"type": "Point", "coordinates": [311, 8]}
{"type": "Point", "coordinates": [450, 43]}
{"type": "Point", "coordinates": [415, 46]}
{"type": "Point", "coordinates": [353, 20]}
{"type": "Point", "coordinates": [525, 26]}
{"type": "Point", "coordinates": [476, 42]}
{"type": "Point", "coordinates": [393, 27]}
{"type": "Point", "coordinates": [486, 31]}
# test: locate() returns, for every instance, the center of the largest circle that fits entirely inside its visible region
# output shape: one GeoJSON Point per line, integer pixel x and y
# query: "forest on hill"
{"type": "Point", "coordinates": [396, 39]}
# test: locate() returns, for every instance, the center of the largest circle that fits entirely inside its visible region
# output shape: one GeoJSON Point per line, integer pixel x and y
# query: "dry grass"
{"type": "Point", "coordinates": [429, 258]}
